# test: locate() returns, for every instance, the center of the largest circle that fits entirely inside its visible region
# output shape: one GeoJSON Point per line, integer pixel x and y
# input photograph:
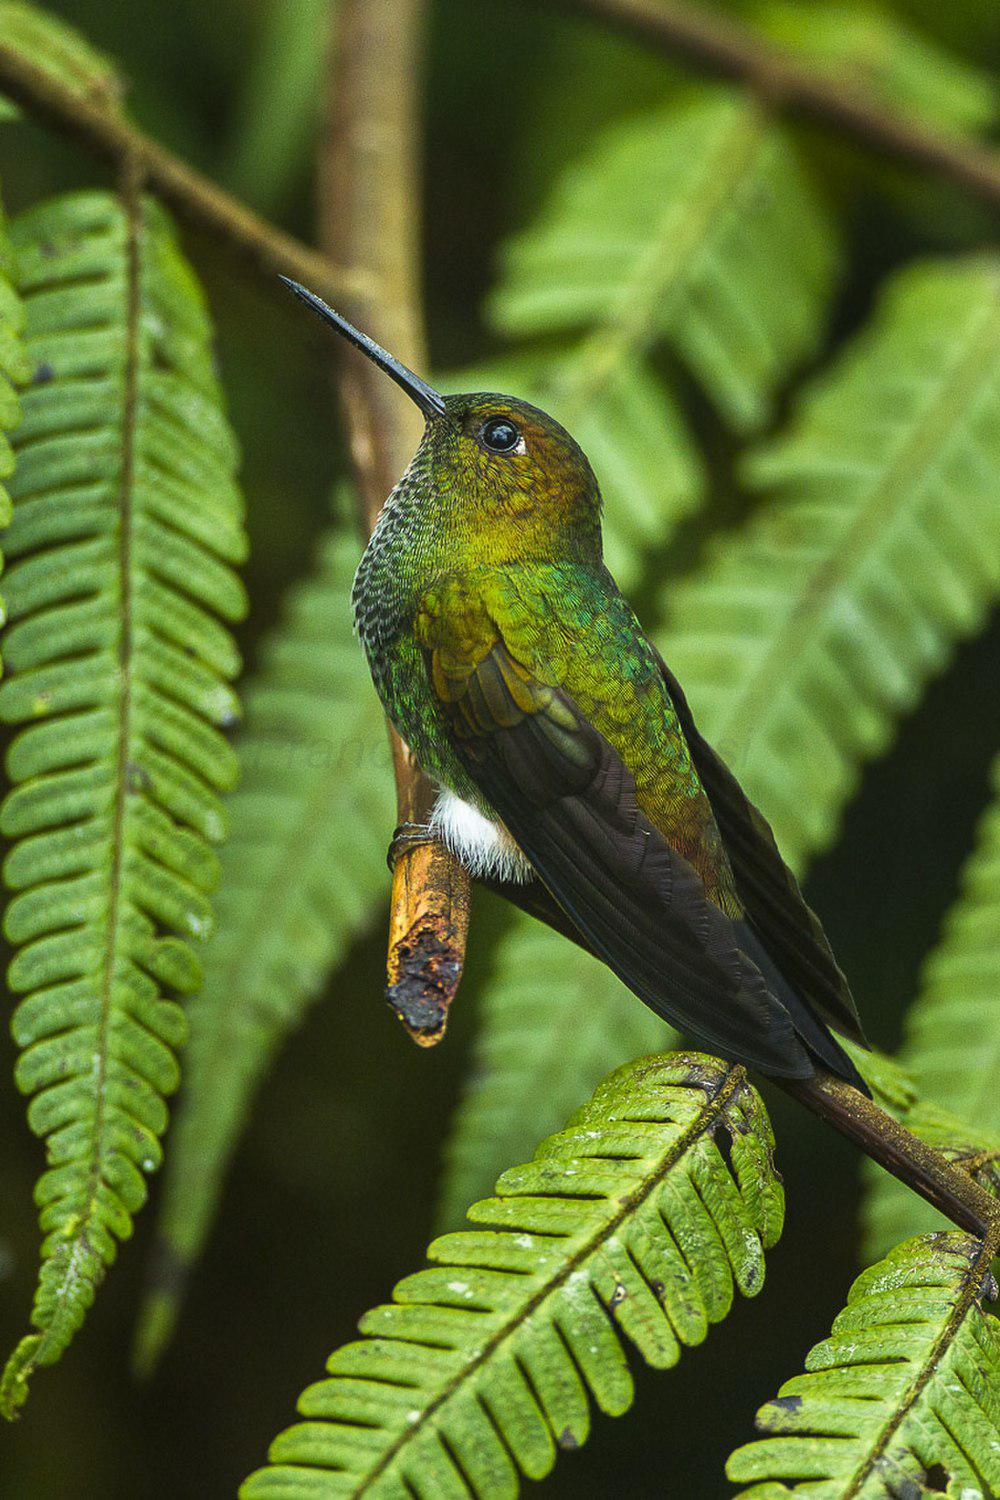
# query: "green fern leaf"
{"type": "Point", "coordinates": [315, 764]}
{"type": "Point", "coordinates": [15, 367]}
{"type": "Point", "coordinates": [901, 1400]}
{"type": "Point", "coordinates": [800, 641]}
{"type": "Point", "coordinates": [630, 429]}
{"type": "Point", "coordinates": [708, 198]}
{"type": "Point", "coordinates": [807, 635]}
{"type": "Point", "coordinates": [862, 45]}
{"type": "Point", "coordinates": [126, 521]}
{"type": "Point", "coordinates": [952, 1046]}
{"type": "Point", "coordinates": [637, 1220]}
{"type": "Point", "coordinates": [55, 48]}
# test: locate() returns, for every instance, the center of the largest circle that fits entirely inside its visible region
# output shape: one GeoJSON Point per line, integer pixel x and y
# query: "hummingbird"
{"type": "Point", "coordinates": [572, 776]}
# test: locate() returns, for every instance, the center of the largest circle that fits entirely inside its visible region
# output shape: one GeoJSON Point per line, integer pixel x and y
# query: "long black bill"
{"type": "Point", "coordinates": [429, 400]}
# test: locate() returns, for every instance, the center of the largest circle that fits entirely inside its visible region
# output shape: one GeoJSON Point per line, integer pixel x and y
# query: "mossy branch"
{"type": "Point", "coordinates": [369, 176]}
{"type": "Point", "coordinates": [922, 1167]}
{"type": "Point", "coordinates": [724, 46]}
{"type": "Point", "coordinates": [91, 120]}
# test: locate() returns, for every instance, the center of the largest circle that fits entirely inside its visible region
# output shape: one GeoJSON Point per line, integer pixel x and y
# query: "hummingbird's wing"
{"type": "Point", "coordinates": [789, 929]}
{"type": "Point", "coordinates": [569, 800]}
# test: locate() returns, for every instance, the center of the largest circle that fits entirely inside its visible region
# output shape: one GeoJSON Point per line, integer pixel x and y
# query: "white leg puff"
{"type": "Point", "coordinates": [479, 843]}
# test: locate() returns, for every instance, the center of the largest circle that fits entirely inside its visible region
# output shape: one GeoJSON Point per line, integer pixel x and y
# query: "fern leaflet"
{"type": "Point", "coordinates": [806, 636]}
{"type": "Point", "coordinates": [902, 1398]}
{"type": "Point", "coordinates": [314, 781]}
{"type": "Point", "coordinates": [126, 521]}
{"type": "Point", "coordinates": [708, 198]}
{"type": "Point", "coordinates": [15, 367]}
{"type": "Point", "coordinates": [638, 1219]}
{"type": "Point", "coordinates": [799, 641]}
{"type": "Point", "coordinates": [55, 48]}
{"type": "Point", "coordinates": [898, 64]}
{"type": "Point", "coordinates": [952, 1046]}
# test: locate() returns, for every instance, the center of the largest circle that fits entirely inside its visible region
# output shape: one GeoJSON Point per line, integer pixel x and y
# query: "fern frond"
{"type": "Point", "coordinates": [902, 1398]}
{"type": "Point", "coordinates": [126, 520]}
{"type": "Point", "coordinates": [58, 49]}
{"type": "Point", "coordinates": [802, 638]}
{"type": "Point", "coordinates": [851, 42]}
{"type": "Point", "coordinates": [806, 635]}
{"type": "Point", "coordinates": [695, 225]}
{"type": "Point", "coordinates": [631, 430]}
{"type": "Point", "coordinates": [546, 1017]}
{"type": "Point", "coordinates": [952, 1045]}
{"type": "Point", "coordinates": [15, 367]}
{"type": "Point", "coordinates": [637, 1220]}
{"type": "Point", "coordinates": [302, 872]}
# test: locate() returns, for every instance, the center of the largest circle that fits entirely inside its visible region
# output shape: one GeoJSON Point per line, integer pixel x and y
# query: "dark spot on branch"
{"type": "Point", "coordinates": [429, 972]}
{"type": "Point", "coordinates": [567, 1441]}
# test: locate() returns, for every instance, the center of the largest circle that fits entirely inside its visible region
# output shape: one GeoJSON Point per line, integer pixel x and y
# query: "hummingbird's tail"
{"type": "Point", "coordinates": [822, 1045]}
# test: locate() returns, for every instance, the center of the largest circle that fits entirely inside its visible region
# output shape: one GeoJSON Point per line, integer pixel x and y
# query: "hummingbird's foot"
{"type": "Point", "coordinates": [409, 836]}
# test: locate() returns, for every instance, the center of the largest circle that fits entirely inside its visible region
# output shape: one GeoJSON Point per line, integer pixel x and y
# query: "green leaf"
{"type": "Point", "coordinates": [693, 225]}
{"type": "Point", "coordinates": [55, 48]}
{"type": "Point", "coordinates": [902, 1399]}
{"type": "Point", "coordinates": [637, 1221]}
{"type": "Point", "coordinates": [860, 46]}
{"type": "Point", "coordinates": [315, 783]}
{"type": "Point", "coordinates": [126, 521]}
{"type": "Point", "coordinates": [15, 367]}
{"type": "Point", "coordinates": [952, 1046]}
{"type": "Point", "coordinates": [800, 641]}
{"type": "Point", "coordinates": [808, 634]}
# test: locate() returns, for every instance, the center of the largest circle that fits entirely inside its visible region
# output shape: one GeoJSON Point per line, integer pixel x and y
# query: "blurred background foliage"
{"type": "Point", "coordinates": [337, 1182]}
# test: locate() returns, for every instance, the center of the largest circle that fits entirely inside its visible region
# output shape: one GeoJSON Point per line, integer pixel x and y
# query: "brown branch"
{"type": "Point", "coordinates": [921, 1167]}
{"type": "Point", "coordinates": [720, 45]}
{"type": "Point", "coordinates": [103, 131]}
{"type": "Point", "coordinates": [369, 206]}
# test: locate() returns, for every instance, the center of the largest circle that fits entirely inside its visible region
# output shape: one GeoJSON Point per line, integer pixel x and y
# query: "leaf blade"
{"type": "Point", "coordinates": [119, 759]}
{"type": "Point", "coordinates": [628, 1223]}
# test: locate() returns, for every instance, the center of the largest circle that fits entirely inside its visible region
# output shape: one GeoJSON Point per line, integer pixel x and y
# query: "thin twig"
{"type": "Point", "coordinates": [104, 132]}
{"type": "Point", "coordinates": [369, 204]}
{"type": "Point", "coordinates": [724, 46]}
{"type": "Point", "coordinates": [923, 1168]}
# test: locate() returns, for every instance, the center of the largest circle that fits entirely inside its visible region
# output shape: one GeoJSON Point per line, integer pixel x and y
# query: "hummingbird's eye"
{"type": "Point", "coordinates": [500, 435]}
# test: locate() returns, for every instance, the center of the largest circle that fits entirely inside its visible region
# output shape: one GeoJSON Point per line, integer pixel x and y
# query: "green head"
{"type": "Point", "coordinates": [494, 473]}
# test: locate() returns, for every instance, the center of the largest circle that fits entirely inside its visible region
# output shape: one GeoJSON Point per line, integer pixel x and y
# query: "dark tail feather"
{"type": "Point", "coordinates": [821, 1043]}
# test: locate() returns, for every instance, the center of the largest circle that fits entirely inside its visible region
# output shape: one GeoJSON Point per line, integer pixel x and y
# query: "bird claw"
{"type": "Point", "coordinates": [408, 836]}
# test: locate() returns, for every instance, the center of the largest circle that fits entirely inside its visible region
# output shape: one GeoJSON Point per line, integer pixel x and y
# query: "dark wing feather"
{"type": "Point", "coordinates": [788, 928]}
{"type": "Point", "coordinates": [570, 802]}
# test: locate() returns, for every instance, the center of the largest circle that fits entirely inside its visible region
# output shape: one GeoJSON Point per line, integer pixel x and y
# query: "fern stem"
{"type": "Point", "coordinates": [101, 130]}
{"type": "Point", "coordinates": [724, 46]}
{"type": "Point", "coordinates": [369, 191]}
{"type": "Point", "coordinates": [927, 1171]}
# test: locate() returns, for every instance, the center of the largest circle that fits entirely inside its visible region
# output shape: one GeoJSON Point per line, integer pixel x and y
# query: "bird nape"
{"type": "Point", "coordinates": [573, 776]}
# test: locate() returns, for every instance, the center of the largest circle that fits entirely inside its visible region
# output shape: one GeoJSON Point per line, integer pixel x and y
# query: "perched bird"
{"type": "Point", "coordinates": [572, 775]}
